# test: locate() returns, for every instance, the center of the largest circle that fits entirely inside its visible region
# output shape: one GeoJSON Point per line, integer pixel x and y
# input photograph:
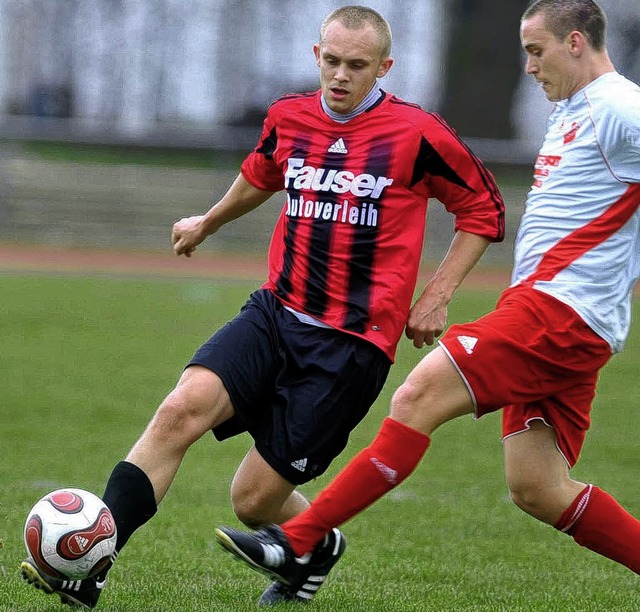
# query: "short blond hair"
{"type": "Point", "coordinates": [355, 17]}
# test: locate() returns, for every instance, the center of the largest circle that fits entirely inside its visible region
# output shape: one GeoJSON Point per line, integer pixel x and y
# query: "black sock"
{"type": "Point", "coordinates": [130, 497]}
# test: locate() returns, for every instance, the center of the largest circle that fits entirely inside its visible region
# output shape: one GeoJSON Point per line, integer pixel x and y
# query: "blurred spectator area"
{"type": "Point", "coordinates": [200, 74]}
{"type": "Point", "coordinates": [131, 68]}
{"type": "Point", "coordinates": [128, 70]}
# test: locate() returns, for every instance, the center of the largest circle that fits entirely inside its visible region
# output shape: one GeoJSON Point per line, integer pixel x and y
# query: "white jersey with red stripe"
{"type": "Point", "coordinates": [579, 238]}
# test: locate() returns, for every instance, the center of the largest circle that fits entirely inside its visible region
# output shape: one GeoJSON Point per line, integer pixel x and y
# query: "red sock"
{"type": "Point", "coordinates": [385, 463]}
{"type": "Point", "coordinates": [598, 522]}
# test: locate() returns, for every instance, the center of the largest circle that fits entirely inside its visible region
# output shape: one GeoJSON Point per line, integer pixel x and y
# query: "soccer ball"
{"type": "Point", "coordinates": [70, 534]}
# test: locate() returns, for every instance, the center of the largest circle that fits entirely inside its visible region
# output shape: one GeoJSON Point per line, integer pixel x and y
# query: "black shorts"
{"type": "Point", "coordinates": [298, 389]}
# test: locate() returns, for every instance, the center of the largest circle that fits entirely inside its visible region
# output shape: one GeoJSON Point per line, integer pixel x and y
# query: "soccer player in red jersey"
{"type": "Point", "coordinates": [308, 354]}
{"type": "Point", "coordinates": [538, 354]}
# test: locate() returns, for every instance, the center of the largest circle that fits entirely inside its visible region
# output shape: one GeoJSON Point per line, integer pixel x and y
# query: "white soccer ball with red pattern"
{"type": "Point", "coordinates": [70, 534]}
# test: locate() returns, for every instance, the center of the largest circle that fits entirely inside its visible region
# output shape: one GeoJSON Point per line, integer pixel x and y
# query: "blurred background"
{"type": "Point", "coordinates": [118, 117]}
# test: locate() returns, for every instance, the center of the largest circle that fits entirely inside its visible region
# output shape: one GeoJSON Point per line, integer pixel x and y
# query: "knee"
{"type": "Point", "coordinates": [525, 497]}
{"type": "Point", "coordinates": [177, 418]}
{"type": "Point", "coordinates": [249, 508]}
{"type": "Point", "coordinates": [419, 405]}
{"type": "Point", "coordinates": [405, 401]}
{"type": "Point", "coordinates": [535, 498]}
{"type": "Point", "coordinates": [198, 403]}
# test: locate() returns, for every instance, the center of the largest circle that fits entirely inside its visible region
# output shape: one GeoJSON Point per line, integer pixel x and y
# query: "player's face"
{"type": "Point", "coordinates": [552, 63]}
{"type": "Point", "coordinates": [350, 62]}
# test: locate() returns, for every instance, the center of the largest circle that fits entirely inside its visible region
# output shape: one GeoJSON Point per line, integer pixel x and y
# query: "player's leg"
{"type": "Point", "coordinates": [432, 394]}
{"type": "Point", "coordinates": [326, 385]}
{"type": "Point", "coordinates": [540, 484]}
{"type": "Point", "coordinates": [281, 552]}
{"type": "Point", "coordinates": [481, 365]}
{"type": "Point", "coordinates": [597, 521]}
{"type": "Point", "coordinates": [440, 388]}
{"type": "Point", "coordinates": [537, 474]}
{"type": "Point", "coordinates": [229, 372]}
{"type": "Point", "coordinates": [198, 403]}
{"type": "Point", "coordinates": [260, 495]}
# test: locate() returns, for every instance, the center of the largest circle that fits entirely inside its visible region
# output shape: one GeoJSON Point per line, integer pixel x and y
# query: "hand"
{"type": "Point", "coordinates": [427, 320]}
{"type": "Point", "coordinates": [187, 234]}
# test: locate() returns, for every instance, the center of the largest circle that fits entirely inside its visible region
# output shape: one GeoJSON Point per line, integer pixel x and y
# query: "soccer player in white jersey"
{"type": "Point", "coordinates": [537, 355]}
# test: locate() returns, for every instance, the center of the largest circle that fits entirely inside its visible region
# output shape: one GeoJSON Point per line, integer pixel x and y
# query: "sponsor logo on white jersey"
{"type": "Point", "coordinates": [468, 343]}
{"type": "Point", "coordinates": [570, 135]}
{"type": "Point", "coordinates": [300, 464]}
{"type": "Point", "coordinates": [338, 147]}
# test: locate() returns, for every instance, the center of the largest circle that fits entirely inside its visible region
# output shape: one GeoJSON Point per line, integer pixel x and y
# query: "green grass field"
{"type": "Point", "coordinates": [84, 363]}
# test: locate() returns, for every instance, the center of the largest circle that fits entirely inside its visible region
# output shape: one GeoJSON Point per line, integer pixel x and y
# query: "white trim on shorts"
{"type": "Point", "coordinates": [475, 404]}
{"type": "Point", "coordinates": [528, 428]}
{"type": "Point", "coordinates": [464, 379]}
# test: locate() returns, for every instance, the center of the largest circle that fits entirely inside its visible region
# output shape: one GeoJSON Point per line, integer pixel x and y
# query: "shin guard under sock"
{"type": "Point", "coordinates": [130, 497]}
{"type": "Point", "coordinates": [392, 456]}
{"type": "Point", "coordinates": [598, 522]}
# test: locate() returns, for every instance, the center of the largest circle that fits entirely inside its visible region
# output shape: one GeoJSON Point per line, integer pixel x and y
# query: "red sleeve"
{"type": "Point", "coordinates": [463, 184]}
{"type": "Point", "coordinates": [260, 167]}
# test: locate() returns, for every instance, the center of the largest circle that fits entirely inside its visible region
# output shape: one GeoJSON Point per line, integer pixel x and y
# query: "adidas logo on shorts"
{"type": "Point", "coordinates": [300, 464]}
{"type": "Point", "coordinates": [468, 343]}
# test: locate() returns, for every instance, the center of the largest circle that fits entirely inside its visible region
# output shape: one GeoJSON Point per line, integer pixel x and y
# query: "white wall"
{"type": "Point", "coordinates": [135, 63]}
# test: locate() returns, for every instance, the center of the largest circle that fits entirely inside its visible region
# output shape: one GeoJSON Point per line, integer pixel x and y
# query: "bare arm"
{"type": "Point", "coordinates": [241, 198]}
{"type": "Point", "coordinates": [428, 316]}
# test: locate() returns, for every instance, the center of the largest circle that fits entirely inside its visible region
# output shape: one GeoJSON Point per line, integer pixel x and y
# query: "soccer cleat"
{"type": "Point", "coordinates": [323, 558]}
{"type": "Point", "coordinates": [75, 593]}
{"type": "Point", "coordinates": [276, 593]}
{"type": "Point", "coordinates": [267, 550]}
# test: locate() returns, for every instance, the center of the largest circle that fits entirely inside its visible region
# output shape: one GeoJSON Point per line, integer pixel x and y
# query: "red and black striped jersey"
{"type": "Point", "coordinates": [347, 245]}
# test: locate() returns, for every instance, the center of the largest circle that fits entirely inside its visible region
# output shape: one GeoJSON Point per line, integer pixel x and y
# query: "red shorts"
{"type": "Point", "coordinates": [535, 358]}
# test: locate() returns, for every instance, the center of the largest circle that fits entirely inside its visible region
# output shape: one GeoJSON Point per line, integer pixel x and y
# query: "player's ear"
{"type": "Point", "coordinates": [385, 66]}
{"type": "Point", "coordinates": [316, 52]}
{"type": "Point", "coordinates": [576, 42]}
